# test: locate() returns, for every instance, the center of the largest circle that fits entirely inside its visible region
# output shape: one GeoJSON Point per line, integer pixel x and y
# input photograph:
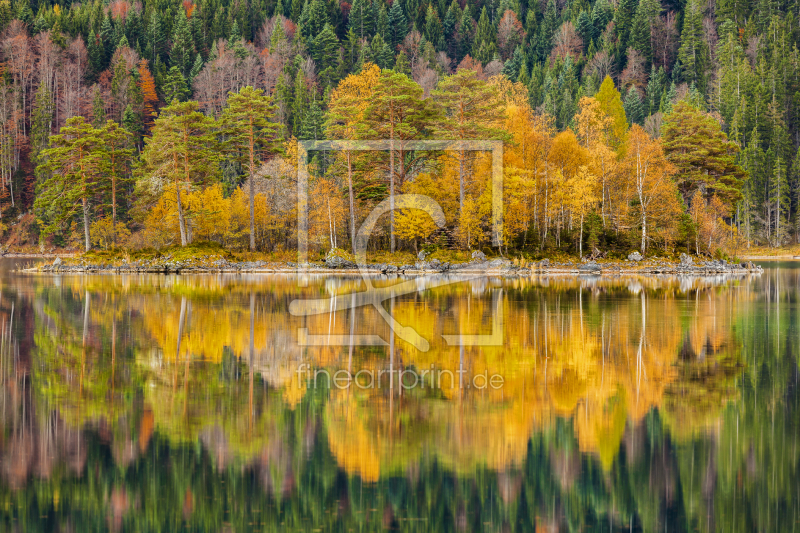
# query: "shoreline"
{"type": "Point", "coordinates": [496, 267]}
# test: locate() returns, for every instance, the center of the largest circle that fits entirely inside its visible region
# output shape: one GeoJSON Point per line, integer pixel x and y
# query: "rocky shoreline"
{"type": "Point", "coordinates": [478, 265]}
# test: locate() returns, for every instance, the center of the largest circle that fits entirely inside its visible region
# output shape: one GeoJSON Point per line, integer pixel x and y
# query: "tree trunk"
{"type": "Point", "coordinates": [252, 191]}
{"type": "Point", "coordinates": [181, 221]}
{"type": "Point", "coordinates": [85, 202]}
{"type": "Point", "coordinates": [644, 231]}
{"type": "Point", "coordinates": [352, 202]}
{"type": "Point", "coordinates": [114, 208]}
{"type": "Point", "coordinates": [391, 189]}
{"type": "Point", "coordinates": [461, 182]}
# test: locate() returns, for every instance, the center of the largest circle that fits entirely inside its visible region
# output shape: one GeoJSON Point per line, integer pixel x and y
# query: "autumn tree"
{"type": "Point", "coordinates": [147, 86]}
{"type": "Point", "coordinates": [348, 101]}
{"type": "Point", "coordinates": [651, 172]}
{"type": "Point", "coordinates": [248, 123]}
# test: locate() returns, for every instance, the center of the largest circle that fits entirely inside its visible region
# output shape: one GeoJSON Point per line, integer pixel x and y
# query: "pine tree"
{"type": "Point", "coordinates": [248, 121]}
{"type": "Point", "coordinates": [74, 163]}
{"type": "Point", "coordinates": [706, 159]}
{"type": "Point", "coordinates": [471, 109]}
{"type": "Point", "coordinates": [116, 153]}
{"type": "Point", "coordinates": [397, 112]}
{"type": "Point", "coordinates": [182, 148]}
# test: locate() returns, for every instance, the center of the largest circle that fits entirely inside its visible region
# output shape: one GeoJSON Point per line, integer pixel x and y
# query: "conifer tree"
{"type": "Point", "coordinates": [433, 26]}
{"type": "Point", "coordinates": [398, 25]}
{"type": "Point", "coordinates": [360, 20]}
{"type": "Point", "coordinates": [633, 106]}
{"type": "Point", "coordinates": [41, 121]}
{"type": "Point", "coordinates": [248, 121]}
{"type": "Point", "coordinates": [693, 52]}
{"type": "Point", "coordinates": [397, 112]}
{"type": "Point", "coordinates": [182, 149]}
{"type": "Point", "coordinates": [182, 53]}
{"type": "Point", "coordinates": [175, 87]}
{"type": "Point", "coordinates": [116, 153]}
{"type": "Point", "coordinates": [484, 47]}
{"type": "Point", "coordinates": [471, 109]}
{"type": "Point", "coordinates": [154, 38]}
{"type": "Point", "coordinates": [74, 164]}
{"type": "Point", "coordinates": [706, 159]}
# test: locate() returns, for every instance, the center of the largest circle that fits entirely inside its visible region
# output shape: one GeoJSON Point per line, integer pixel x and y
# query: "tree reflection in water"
{"type": "Point", "coordinates": [153, 403]}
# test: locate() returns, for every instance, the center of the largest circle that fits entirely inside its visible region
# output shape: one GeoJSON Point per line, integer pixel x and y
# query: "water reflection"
{"type": "Point", "coordinates": [144, 402]}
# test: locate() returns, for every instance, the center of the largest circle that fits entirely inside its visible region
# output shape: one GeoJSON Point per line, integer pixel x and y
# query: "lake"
{"type": "Point", "coordinates": [214, 403]}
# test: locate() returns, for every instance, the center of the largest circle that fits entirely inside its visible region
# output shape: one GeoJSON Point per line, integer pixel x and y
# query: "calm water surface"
{"type": "Point", "coordinates": [165, 403]}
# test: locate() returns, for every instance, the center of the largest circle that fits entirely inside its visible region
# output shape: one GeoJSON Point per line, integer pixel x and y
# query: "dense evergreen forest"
{"type": "Point", "coordinates": [628, 125]}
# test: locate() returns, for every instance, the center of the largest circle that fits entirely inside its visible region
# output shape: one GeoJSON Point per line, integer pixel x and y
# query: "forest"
{"type": "Point", "coordinates": [658, 127]}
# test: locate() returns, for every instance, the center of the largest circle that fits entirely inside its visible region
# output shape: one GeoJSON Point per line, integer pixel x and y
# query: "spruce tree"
{"type": "Point", "coordinates": [693, 51]}
{"type": "Point", "coordinates": [398, 25]}
{"type": "Point", "coordinates": [325, 48]}
{"type": "Point", "coordinates": [633, 106]}
{"type": "Point", "coordinates": [360, 20]}
{"type": "Point", "coordinates": [546, 30]}
{"type": "Point", "coordinates": [154, 38]}
{"type": "Point", "coordinates": [484, 47]}
{"type": "Point", "coordinates": [314, 122]}
{"type": "Point", "coordinates": [41, 121]}
{"type": "Point", "coordinates": [182, 53]}
{"type": "Point", "coordinates": [585, 28]}
{"type": "Point", "coordinates": [464, 36]}
{"type": "Point", "coordinates": [433, 26]}
{"type": "Point", "coordinates": [98, 108]}
{"type": "Point", "coordinates": [175, 87]}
